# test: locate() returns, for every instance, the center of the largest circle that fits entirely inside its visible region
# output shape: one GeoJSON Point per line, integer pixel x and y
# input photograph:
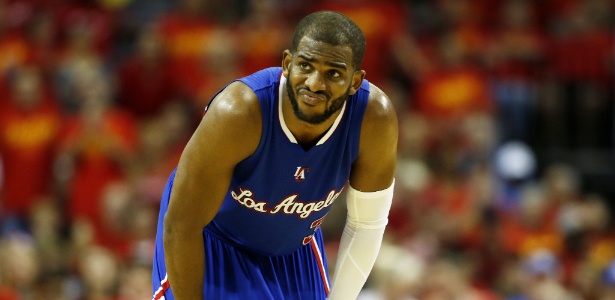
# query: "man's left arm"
{"type": "Point", "coordinates": [369, 197]}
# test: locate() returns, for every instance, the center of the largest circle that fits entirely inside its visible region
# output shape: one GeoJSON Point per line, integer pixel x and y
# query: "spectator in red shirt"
{"type": "Point", "coordinates": [145, 80]}
{"type": "Point", "coordinates": [29, 128]}
{"type": "Point", "coordinates": [162, 141]}
{"type": "Point", "coordinates": [448, 88]}
{"type": "Point", "coordinates": [514, 58]}
{"type": "Point", "coordinates": [78, 53]}
{"type": "Point", "coordinates": [99, 142]}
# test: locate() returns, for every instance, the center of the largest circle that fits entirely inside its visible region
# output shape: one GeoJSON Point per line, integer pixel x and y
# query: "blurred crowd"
{"type": "Point", "coordinates": [505, 176]}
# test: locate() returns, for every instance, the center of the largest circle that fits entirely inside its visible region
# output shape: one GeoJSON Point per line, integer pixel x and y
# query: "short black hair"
{"type": "Point", "coordinates": [332, 28]}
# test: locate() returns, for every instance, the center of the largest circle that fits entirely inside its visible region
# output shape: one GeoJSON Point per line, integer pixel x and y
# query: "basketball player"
{"type": "Point", "coordinates": [240, 217]}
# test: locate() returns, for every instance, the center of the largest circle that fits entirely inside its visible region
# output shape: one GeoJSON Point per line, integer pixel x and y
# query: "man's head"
{"type": "Point", "coordinates": [322, 65]}
{"type": "Point", "coordinates": [332, 28]}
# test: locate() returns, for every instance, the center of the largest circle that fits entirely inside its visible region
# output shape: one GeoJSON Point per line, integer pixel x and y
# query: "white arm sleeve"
{"type": "Point", "coordinates": [361, 240]}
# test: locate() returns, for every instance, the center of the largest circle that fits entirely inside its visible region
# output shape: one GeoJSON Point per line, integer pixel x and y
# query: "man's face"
{"type": "Point", "coordinates": [320, 78]}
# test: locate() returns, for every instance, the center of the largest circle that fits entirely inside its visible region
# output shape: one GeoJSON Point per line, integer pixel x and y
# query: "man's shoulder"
{"type": "Point", "coordinates": [238, 104]}
{"type": "Point", "coordinates": [235, 112]}
{"type": "Point", "coordinates": [379, 106]}
{"type": "Point", "coordinates": [264, 78]}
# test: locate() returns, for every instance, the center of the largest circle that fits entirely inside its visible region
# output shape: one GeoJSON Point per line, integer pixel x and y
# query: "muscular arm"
{"type": "Point", "coordinates": [369, 198]}
{"type": "Point", "coordinates": [374, 168]}
{"type": "Point", "coordinates": [229, 132]}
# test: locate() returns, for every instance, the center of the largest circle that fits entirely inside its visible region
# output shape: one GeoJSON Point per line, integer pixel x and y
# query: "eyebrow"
{"type": "Point", "coordinates": [338, 65]}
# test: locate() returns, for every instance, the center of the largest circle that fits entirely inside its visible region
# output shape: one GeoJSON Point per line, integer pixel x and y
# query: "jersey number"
{"type": "Point", "coordinates": [316, 224]}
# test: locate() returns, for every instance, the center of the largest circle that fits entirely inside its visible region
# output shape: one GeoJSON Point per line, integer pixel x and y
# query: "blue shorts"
{"type": "Point", "coordinates": [235, 273]}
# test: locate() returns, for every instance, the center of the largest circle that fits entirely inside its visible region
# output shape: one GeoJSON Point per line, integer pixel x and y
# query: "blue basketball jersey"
{"type": "Point", "coordinates": [279, 196]}
{"type": "Point", "coordinates": [265, 241]}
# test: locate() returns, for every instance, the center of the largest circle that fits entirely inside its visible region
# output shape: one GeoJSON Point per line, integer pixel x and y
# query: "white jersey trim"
{"type": "Point", "coordinates": [321, 266]}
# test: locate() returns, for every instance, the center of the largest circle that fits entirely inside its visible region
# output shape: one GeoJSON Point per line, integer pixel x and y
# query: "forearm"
{"type": "Point", "coordinates": [361, 240]}
{"type": "Point", "coordinates": [358, 252]}
{"type": "Point", "coordinates": [184, 256]}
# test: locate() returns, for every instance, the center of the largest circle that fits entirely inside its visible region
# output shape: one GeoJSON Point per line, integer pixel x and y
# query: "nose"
{"type": "Point", "coordinates": [315, 82]}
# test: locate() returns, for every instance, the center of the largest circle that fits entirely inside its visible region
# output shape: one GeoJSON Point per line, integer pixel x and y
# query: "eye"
{"type": "Point", "coordinates": [304, 65]}
{"type": "Point", "coordinates": [335, 74]}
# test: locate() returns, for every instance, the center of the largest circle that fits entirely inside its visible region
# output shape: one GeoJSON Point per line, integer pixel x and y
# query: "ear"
{"type": "Point", "coordinates": [357, 80]}
{"type": "Point", "coordinates": [287, 58]}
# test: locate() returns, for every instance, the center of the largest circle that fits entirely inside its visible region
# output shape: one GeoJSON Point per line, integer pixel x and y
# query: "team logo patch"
{"type": "Point", "coordinates": [300, 173]}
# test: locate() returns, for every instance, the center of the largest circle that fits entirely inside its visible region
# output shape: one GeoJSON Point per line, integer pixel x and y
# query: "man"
{"type": "Point", "coordinates": [240, 216]}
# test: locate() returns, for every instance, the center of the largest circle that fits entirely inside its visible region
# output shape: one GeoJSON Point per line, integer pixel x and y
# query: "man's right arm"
{"type": "Point", "coordinates": [228, 133]}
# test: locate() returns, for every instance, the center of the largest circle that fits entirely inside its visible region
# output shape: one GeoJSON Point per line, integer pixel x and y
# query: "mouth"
{"type": "Point", "coordinates": [310, 98]}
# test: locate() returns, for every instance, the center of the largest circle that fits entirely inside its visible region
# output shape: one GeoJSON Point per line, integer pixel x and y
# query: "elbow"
{"type": "Point", "coordinates": [177, 229]}
{"type": "Point", "coordinates": [169, 231]}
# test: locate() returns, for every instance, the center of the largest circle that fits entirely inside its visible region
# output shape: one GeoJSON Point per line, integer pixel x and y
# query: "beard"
{"type": "Point", "coordinates": [331, 106]}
